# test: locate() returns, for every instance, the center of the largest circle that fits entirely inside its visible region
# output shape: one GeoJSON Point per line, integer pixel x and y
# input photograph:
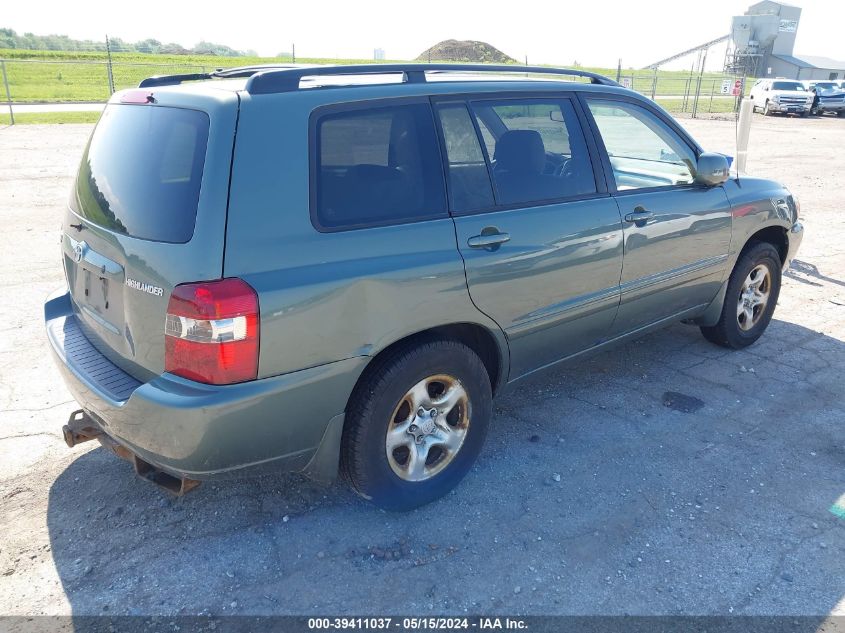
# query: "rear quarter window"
{"type": "Point", "coordinates": [376, 166]}
{"type": "Point", "coordinates": [141, 172]}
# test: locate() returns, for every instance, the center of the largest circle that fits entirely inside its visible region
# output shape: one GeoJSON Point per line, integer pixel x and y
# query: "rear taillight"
{"type": "Point", "coordinates": [211, 332]}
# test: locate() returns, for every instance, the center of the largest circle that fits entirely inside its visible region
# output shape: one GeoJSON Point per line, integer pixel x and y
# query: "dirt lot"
{"type": "Point", "coordinates": [730, 509]}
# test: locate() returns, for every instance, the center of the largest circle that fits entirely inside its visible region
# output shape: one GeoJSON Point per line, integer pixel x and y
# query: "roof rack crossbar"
{"type": "Point", "coordinates": [287, 80]}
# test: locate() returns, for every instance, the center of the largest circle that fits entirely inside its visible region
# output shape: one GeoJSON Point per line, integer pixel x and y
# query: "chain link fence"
{"type": "Point", "coordinates": [693, 94]}
{"type": "Point", "coordinates": [43, 84]}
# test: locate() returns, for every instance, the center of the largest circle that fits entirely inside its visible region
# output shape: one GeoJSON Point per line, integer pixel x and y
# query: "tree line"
{"type": "Point", "coordinates": [29, 41]}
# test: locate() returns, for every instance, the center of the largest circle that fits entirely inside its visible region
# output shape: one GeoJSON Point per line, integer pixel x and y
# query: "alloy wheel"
{"type": "Point", "coordinates": [428, 428]}
{"type": "Point", "coordinates": [754, 297]}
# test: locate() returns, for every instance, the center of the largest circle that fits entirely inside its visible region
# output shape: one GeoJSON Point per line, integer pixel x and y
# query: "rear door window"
{"type": "Point", "coordinates": [141, 172]}
{"type": "Point", "coordinates": [469, 181]}
{"type": "Point", "coordinates": [377, 166]}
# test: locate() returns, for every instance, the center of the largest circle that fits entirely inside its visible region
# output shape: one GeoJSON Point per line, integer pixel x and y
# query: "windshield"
{"type": "Point", "coordinates": [141, 172]}
{"type": "Point", "coordinates": [827, 85]}
{"type": "Point", "coordinates": [787, 85]}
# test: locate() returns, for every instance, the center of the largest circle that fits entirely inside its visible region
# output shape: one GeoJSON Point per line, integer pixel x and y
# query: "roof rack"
{"type": "Point", "coordinates": [287, 80]}
{"type": "Point", "coordinates": [267, 79]}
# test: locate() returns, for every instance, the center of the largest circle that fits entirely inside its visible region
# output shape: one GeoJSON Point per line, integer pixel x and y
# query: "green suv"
{"type": "Point", "coordinates": [337, 268]}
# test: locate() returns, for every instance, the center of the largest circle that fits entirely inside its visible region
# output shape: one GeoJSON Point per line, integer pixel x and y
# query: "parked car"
{"type": "Point", "coordinates": [827, 97]}
{"type": "Point", "coordinates": [338, 268]}
{"type": "Point", "coordinates": [781, 95]}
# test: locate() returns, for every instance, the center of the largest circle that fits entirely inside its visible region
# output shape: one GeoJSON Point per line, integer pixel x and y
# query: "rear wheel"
{"type": "Point", "coordinates": [416, 424]}
{"type": "Point", "coordinates": [750, 299]}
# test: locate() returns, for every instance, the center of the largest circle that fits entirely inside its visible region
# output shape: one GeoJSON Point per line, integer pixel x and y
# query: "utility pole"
{"type": "Point", "coordinates": [293, 53]}
{"type": "Point", "coordinates": [109, 67]}
{"type": "Point", "coordinates": [619, 70]}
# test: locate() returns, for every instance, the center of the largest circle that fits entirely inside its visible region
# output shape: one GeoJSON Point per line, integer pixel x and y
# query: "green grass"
{"type": "Point", "coordinates": [704, 106]}
{"type": "Point", "coordinates": [81, 76]}
{"type": "Point", "coordinates": [71, 76]}
{"type": "Point", "coordinates": [50, 117]}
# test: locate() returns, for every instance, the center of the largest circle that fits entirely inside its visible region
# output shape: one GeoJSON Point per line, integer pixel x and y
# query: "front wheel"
{"type": "Point", "coordinates": [416, 424]}
{"type": "Point", "coordinates": [750, 299]}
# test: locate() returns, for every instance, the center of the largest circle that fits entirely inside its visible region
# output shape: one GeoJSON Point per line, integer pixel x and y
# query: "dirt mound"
{"type": "Point", "coordinates": [465, 51]}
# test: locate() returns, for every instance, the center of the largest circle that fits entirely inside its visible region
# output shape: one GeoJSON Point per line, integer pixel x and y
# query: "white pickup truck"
{"type": "Point", "coordinates": [781, 95]}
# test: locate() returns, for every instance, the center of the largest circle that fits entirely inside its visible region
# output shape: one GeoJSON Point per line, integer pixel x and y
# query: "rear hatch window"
{"type": "Point", "coordinates": [141, 172]}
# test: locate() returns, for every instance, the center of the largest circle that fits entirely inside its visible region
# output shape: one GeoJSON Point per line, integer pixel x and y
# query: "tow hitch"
{"type": "Point", "coordinates": [81, 427]}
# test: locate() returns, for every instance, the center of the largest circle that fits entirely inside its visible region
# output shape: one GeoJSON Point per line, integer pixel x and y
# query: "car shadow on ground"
{"type": "Point", "coordinates": [800, 270]}
{"type": "Point", "coordinates": [667, 476]}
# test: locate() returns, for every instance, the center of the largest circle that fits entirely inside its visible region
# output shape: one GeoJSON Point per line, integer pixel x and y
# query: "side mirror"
{"type": "Point", "coordinates": [712, 169]}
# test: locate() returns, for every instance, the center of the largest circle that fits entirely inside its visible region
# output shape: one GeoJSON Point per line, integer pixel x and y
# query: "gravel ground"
{"type": "Point", "coordinates": [600, 491]}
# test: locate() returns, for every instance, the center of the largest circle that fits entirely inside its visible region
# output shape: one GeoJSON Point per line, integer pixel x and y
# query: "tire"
{"type": "Point", "coordinates": [841, 114]}
{"type": "Point", "coordinates": [389, 398]}
{"type": "Point", "coordinates": [736, 329]}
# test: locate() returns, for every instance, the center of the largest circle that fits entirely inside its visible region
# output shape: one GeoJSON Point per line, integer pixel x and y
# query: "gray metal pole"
{"type": "Point", "coordinates": [8, 94]}
{"type": "Point", "coordinates": [697, 95]}
{"type": "Point", "coordinates": [654, 84]}
{"type": "Point", "coordinates": [712, 90]}
{"type": "Point", "coordinates": [110, 73]}
{"type": "Point", "coordinates": [703, 60]}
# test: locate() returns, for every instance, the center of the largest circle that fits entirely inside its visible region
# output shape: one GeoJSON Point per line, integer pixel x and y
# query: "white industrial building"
{"type": "Point", "coordinates": [763, 41]}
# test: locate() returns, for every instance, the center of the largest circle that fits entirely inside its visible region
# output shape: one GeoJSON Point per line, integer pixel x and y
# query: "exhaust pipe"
{"type": "Point", "coordinates": [81, 427]}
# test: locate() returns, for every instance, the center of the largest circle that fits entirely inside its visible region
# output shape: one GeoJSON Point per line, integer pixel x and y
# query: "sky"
{"type": "Point", "coordinates": [559, 32]}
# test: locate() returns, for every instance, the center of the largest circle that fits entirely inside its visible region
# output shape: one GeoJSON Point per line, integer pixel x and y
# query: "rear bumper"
{"type": "Point", "coordinates": [199, 431]}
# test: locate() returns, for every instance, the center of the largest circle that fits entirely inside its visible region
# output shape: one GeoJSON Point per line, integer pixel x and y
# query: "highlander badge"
{"type": "Point", "coordinates": [148, 288]}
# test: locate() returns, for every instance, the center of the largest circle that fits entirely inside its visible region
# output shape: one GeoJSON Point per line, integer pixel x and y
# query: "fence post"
{"type": "Point", "coordinates": [712, 90]}
{"type": "Point", "coordinates": [8, 94]}
{"type": "Point", "coordinates": [697, 95]}
{"type": "Point", "coordinates": [654, 84]}
{"type": "Point", "coordinates": [110, 73]}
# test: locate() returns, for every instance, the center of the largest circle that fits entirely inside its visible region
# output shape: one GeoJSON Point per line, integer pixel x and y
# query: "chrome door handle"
{"type": "Point", "coordinates": [488, 240]}
{"type": "Point", "coordinates": [639, 217]}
